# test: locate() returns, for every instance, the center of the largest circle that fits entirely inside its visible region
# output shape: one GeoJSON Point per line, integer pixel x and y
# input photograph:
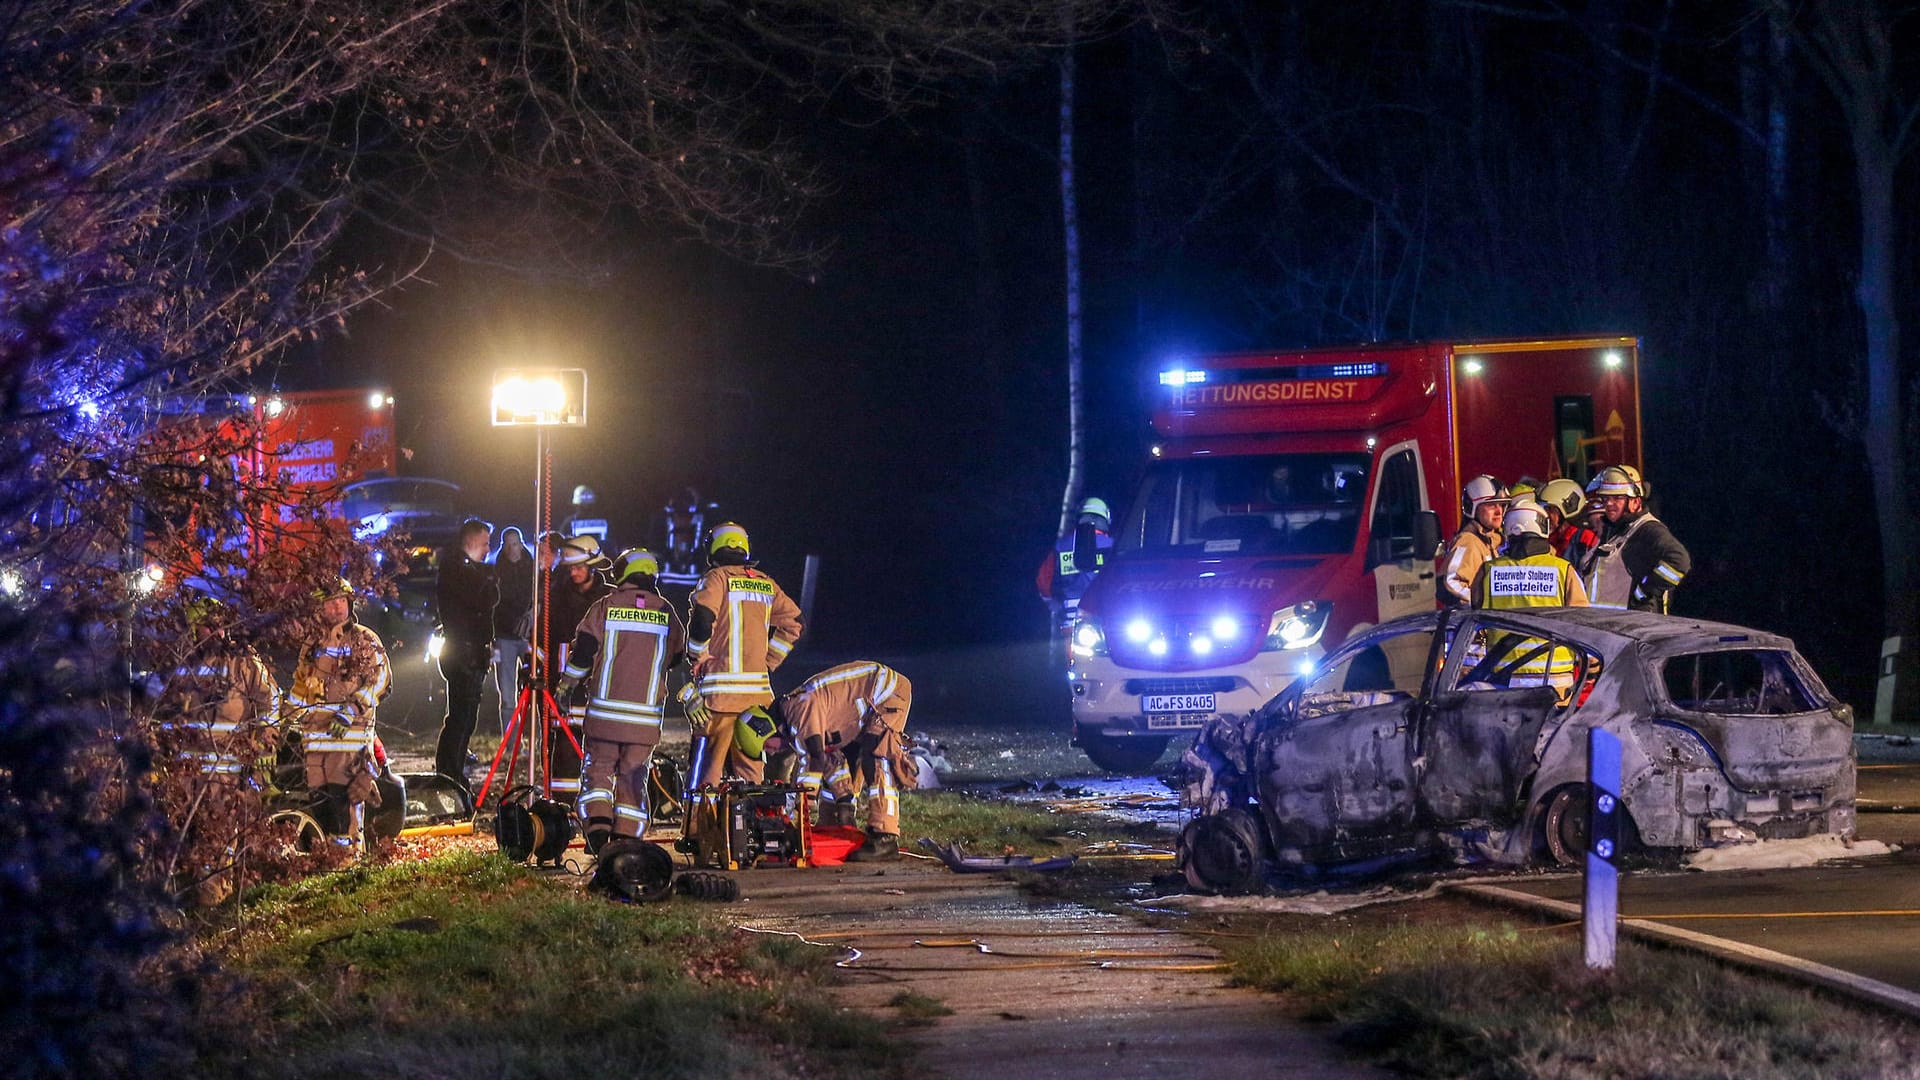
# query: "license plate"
{"type": "Point", "coordinates": [1176, 703]}
{"type": "Point", "coordinates": [1167, 721]}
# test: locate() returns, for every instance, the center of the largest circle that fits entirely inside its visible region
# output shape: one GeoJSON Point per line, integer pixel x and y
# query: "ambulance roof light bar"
{"type": "Point", "coordinates": [1182, 377]}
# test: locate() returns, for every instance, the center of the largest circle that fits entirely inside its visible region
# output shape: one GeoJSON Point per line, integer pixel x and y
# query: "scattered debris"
{"type": "Point", "coordinates": [1321, 902]}
{"type": "Point", "coordinates": [960, 862]}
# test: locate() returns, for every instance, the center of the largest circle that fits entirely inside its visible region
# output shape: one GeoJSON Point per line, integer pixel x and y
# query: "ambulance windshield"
{"type": "Point", "coordinates": [1281, 504]}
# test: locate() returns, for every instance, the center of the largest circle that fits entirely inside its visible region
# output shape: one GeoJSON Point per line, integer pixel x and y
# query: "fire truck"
{"type": "Point", "coordinates": [1292, 498]}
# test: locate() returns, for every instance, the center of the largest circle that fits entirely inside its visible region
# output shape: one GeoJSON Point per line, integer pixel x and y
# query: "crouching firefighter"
{"type": "Point", "coordinates": [622, 650]}
{"type": "Point", "coordinates": [850, 724]}
{"type": "Point", "coordinates": [741, 627]}
{"type": "Point", "coordinates": [341, 677]}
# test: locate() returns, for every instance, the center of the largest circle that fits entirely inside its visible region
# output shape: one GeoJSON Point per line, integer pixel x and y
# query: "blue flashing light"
{"type": "Point", "coordinates": [1358, 371]}
{"type": "Point", "coordinates": [1182, 377]}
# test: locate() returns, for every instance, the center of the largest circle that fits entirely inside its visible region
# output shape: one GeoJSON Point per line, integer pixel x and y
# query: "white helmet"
{"type": "Point", "coordinates": [1527, 519]}
{"type": "Point", "coordinates": [1096, 508]}
{"type": "Point", "coordinates": [1481, 489]}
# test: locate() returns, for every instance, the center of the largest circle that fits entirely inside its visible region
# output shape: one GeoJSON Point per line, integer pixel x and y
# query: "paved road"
{"type": "Point", "coordinates": [1820, 913]}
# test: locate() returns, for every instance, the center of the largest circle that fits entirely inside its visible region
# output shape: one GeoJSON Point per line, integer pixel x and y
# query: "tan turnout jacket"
{"type": "Point", "coordinates": [625, 643]}
{"type": "Point", "coordinates": [755, 625]}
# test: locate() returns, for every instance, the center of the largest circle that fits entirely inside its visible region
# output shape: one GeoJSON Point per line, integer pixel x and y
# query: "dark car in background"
{"type": "Point", "coordinates": [427, 513]}
{"type": "Point", "coordinates": [1463, 735]}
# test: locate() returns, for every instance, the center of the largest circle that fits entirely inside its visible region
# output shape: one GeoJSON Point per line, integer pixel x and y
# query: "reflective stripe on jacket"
{"type": "Point", "coordinates": [755, 625]}
{"type": "Point", "coordinates": [625, 643]}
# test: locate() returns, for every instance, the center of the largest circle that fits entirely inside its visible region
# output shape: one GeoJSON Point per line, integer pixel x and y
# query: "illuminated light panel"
{"type": "Point", "coordinates": [1358, 371]}
{"type": "Point", "coordinates": [1472, 365]}
{"type": "Point", "coordinates": [1139, 630]}
{"type": "Point", "coordinates": [1182, 377]}
{"type": "Point", "coordinates": [378, 399]}
{"type": "Point", "coordinates": [1158, 647]}
{"type": "Point", "coordinates": [1225, 627]}
{"type": "Point", "coordinates": [1613, 359]}
{"type": "Point", "coordinates": [1201, 645]}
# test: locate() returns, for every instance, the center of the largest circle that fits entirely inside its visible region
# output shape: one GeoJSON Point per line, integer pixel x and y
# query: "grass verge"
{"type": "Point", "coordinates": [985, 826]}
{"type": "Point", "coordinates": [466, 965]}
{"type": "Point", "coordinates": [1448, 990]}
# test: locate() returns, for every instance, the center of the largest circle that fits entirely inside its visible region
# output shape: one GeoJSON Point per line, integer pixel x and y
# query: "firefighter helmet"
{"type": "Point", "coordinates": [728, 544]}
{"type": "Point", "coordinates": [636, 563]}
{"type": "Point", "coordinates": [1096, 508]}
{"type": "Point", "coordinates": [1527, 519]}
{"type": "Point", "coordinates": [1617, 480]}
{"type": "Point", "coordinates": [582, 550]}
{"type": "Point", "coordinates": [752, 730]}
{"type": "Point", "coordinates": [1480, 490]}
{"type": "Point", "coordinates": [338, 587]}
{"type": "Point", "coordinates": [206, 613]}
{"type": "Point", "coordinates": [1565, 496]}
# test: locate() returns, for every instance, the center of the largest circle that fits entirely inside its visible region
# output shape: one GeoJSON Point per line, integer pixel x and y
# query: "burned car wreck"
{"type": "Point", "coordinates": [1461, 735]}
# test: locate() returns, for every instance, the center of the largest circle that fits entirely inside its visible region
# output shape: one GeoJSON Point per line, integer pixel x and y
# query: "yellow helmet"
{"type": "Point", "coordinates": [338, 587]}
{"type": "Point", "coordinates": [633, 563]}
{"type": "Point", "coordinates": [1618, 480]}
{"type": "Point", "coordinates": [729, 536]}
{"type": "Point", "coordinates": [1565, 496]}
{"type": "Point", "coordinates": [752, 730]}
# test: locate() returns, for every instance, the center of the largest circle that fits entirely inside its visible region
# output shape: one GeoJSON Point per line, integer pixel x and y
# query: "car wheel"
{"type": "Point", "coordinates": [1223, 853]}
{"type": "Point", "coordinates": [1122, 755]}
{"type": "Point", "coordinates": [1564, 825]}
{"type": "Point", "coordinates": [298, 829]}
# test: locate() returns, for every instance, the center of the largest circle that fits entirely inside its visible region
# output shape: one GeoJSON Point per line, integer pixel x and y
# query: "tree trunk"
{"type": "Point", "coordinates": [1070, 228]}
{"type": "Point", "coordinates": [1876, 165]}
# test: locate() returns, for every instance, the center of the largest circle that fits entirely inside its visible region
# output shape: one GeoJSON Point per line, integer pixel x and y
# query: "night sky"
{"type": "Point", "coordinates": [1389, 172]}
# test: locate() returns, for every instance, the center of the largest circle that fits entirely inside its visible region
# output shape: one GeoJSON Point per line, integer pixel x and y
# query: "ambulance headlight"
{"type": "Point", "coordinates": [436, 643]}
{"type": "Point", "coordinates": [1088, 640]}
{"type": "Point", "coordinates": [1298, 626]}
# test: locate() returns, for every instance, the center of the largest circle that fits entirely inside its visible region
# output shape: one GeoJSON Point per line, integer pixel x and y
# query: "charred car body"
{"type": "Point", "coordinates": [1463, 733]}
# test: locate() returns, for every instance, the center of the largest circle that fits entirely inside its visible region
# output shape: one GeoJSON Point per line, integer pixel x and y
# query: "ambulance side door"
{"type": "Point", "coordinates": [1402, 578]}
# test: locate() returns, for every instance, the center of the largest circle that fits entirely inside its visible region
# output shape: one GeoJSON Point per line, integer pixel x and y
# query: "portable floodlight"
{"type": "Point", "coordinates": [540, 397]}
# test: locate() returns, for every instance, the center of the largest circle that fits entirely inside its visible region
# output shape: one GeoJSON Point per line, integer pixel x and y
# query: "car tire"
{"type": "Point", "coordinates": [1224, 853]}
{"type": "Point", "coordinates": [1122, 755]}
{"type": "Point", "coordinates": [299, 829]}
{"type": "Point", "coordinates": [1563, 826]}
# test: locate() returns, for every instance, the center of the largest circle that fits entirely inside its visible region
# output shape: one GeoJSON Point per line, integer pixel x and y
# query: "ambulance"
{"type": "Point", "coordinates": [1294, 498]}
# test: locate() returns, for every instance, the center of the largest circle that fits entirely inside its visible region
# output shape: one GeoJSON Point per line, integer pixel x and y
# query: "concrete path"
{"type": "Point", "coordinates": [1066, 992]}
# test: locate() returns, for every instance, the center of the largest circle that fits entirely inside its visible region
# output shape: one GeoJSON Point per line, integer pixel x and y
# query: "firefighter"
{"type": "Point", "coordinates": [1483, 505]}
{"type": "Point", "coordinates": [1527, 574]}
{"type": "Point", "coordinates": [218, 699]}
{"type": "Point", "coordinates": [850, 723]}
{"type": "Point", "coordinates": [340, 678]}
{"type": "Point", "coordinates": [741, 627]}
{"type": "Point", "coordinates": [1061, 581]}
{"type": "Point", "coordinates": [1568, 535]}
{"type": "Point", "coordinates": [216, 714]}
{"type": "Point", "coordinates": [623, 649]}
{"type": "Point", "coordinates": [1638, 562]}
{"type": "Point", "coordinates": [575, 586]}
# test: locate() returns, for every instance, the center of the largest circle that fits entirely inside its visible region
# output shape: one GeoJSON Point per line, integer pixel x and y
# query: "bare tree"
{"type": "Point", "coordinates": [1854, 47]}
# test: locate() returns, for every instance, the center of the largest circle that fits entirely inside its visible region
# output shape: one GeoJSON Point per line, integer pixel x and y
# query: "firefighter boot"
{"type": "Point", "coordinates": [879, 846]}
{"type": "Point", "coordinates": [599, 830]}
{"type": "Point", "coordinates": [836, 812]}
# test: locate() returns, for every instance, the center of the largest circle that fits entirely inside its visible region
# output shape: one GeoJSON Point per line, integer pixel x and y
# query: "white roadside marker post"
{"type": "Point", "coordinates": [1602, 907]}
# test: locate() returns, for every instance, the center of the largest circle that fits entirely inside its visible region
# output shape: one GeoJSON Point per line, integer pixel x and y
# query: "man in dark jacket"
{"type": "Point", "coordinates": [513, 566]}
{"type": "Point", "coordinates": [1638, 563]}
{"type": "Point", "coordinates": [465, 594]}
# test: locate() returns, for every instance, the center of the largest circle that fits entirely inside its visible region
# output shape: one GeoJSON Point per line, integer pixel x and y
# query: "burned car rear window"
{"type": "Point", "coordinates": [1737, 682]}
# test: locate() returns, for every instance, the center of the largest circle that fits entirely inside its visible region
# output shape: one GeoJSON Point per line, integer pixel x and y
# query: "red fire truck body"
{"type": "Point", "coordinates": [1281, 509]}
{"type": "Point", "coordinates": [319, 441]}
